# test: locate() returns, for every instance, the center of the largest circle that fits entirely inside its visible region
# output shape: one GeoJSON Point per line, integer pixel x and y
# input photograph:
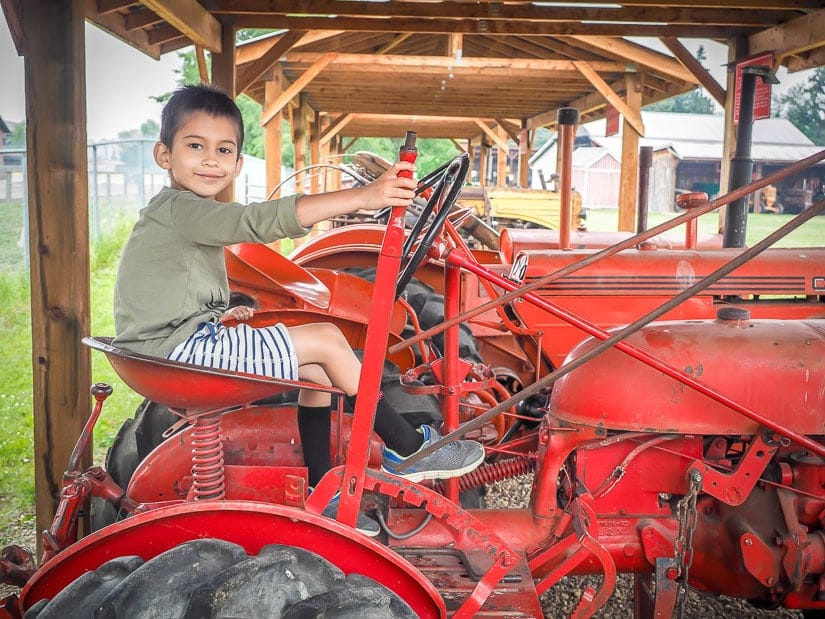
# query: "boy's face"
{"type": "Point", "coordinates": [203, 157]}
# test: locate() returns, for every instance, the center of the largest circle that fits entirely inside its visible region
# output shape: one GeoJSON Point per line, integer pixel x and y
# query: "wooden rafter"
{"type": "Point", "coordinates": [499, 27]}
{"type": "Point", "coordinates": [491, 133]}
{"type": "Point", "coordinates": [640, 55]}
{"type": "Point", "coordinates": [296, 87]}
{"type": "Point", "coordinates": [692, 64]}
{"type": "Point", "coordinates": [335, 128]}
{"type": "Point", "coordinates": [191, 19]}
{"type": "Point", "coordinates": [631, 116]}
{"type": "Point", "coordinates": [254, 70]}
{"type": "Point", "coordinates": [793, 37]}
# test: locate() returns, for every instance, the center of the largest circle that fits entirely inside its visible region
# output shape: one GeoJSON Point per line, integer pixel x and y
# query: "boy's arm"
{"type": "Point", "coordinates": [389, 190]}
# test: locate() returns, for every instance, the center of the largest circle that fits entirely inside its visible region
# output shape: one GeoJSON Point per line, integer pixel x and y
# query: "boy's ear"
{"type": "Point", "coordinates": [162, 155]}
{"type": "Point", "coordinates": [238, 165]}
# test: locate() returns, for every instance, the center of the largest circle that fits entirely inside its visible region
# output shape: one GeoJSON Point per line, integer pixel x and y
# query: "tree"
{"type": "Point", "coordinates": [804, 106]}
{"type": "Point", "coordinates": [431, 152]}
{"type": "Point", "coordinates": [693, 102]}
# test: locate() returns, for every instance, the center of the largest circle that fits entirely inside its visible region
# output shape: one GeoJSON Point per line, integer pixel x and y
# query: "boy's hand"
{"type": "Point", "coordinates": [241, 313]}
{"type": "Point", "coordinates": [390, 189]}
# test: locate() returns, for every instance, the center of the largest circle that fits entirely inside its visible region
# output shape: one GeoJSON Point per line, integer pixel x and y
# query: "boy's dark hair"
{"type": "Point", "coordinates": [198, 98]}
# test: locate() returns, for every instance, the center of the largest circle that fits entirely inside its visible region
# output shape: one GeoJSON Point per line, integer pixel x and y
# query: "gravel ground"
{"type": "Point", "coordinates": [556, 603]}
{"type": "Point", "coordinates": [560, 601]}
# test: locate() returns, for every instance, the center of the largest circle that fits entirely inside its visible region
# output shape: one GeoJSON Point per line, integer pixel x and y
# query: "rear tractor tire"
{"type": "Point", "coordinates": [216, 578]}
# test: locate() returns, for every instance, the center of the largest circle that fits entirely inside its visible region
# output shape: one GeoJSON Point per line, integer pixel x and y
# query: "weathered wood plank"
{"type": "Point", "coordinates": [58, 238]}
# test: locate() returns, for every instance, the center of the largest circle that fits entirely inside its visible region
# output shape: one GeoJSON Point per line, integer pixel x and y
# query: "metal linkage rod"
{"type": "Point", "coordinates": [644, 357]}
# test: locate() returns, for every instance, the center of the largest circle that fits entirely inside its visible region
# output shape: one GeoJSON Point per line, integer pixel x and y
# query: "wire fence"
{"type": "Point", "coordinates": [123, 176]}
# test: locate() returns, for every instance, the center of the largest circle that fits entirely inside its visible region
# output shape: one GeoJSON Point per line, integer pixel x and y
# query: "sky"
{"type": "Point", "coordinates": [120, 81]}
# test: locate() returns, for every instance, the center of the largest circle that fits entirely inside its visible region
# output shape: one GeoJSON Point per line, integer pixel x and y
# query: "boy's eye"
{"type": "Point", "coordinates": [194, 145]}
{"type": "Point", "coordinates": [225, 150]}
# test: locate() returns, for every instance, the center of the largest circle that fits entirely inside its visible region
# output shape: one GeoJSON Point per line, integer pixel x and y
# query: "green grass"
{"type": "Point", "coordinates": [760, 225]}
{"type": "Point", "coordinates": [16, 442]}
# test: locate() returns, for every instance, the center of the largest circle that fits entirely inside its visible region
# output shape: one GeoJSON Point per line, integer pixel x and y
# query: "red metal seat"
{"type": "Point", "coordinates": [191, 390]}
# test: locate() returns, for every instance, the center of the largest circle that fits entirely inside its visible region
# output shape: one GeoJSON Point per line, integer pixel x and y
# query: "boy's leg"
{"type": "Point", "coordinates": [314, 426]}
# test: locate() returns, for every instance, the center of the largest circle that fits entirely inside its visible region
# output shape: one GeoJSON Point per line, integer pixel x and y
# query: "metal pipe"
{"type": "Point", "coordinates": [741, 166]}
{"type": "Point", "coordinates": [645, 161]}
{"type": "Point", "coordinates": [568, 118]}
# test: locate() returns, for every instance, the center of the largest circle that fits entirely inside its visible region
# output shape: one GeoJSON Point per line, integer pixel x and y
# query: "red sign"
{"type": "Point", "coordinates": [762, 94]}
{"type": "Point", "coordinates": [611, 115]}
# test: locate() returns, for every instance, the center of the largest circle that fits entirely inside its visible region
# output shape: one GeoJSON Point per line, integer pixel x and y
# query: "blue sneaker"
{"type": "Point", "coordinates": [453, 460]}
{"type": "Point", "coordinates": [364, 525]}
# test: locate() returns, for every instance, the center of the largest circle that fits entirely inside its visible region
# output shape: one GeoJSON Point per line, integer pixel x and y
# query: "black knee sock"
{"type": "Point", "coordinates": [393, 429]}
{"type": "Point", "coordinates": [314, 428]}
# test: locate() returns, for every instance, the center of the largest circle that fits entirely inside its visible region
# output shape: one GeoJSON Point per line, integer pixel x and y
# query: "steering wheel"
{"type": "Point", "coordinates": [453, 174]}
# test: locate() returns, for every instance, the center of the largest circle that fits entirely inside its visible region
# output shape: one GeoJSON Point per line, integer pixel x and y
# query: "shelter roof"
{"type": "Point", "coordinates": [446, 67]}
{"type": "Point", "coordinates": [452, 68]}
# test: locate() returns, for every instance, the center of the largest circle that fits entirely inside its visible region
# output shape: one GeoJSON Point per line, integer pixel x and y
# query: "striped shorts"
{"type": "Point", "coordinates": [266, 351]}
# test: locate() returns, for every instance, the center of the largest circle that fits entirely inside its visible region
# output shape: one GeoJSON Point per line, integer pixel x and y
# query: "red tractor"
{"type": "Point", "coordinates": [683, 447]}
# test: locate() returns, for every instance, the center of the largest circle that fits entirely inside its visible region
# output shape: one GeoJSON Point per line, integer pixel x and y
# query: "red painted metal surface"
{"type": "Point", "coordinates": [256, 437]}
{"type": "Point", "coordinates": [252, 525]}
{"type": "Point", "coordinates": [788, 356]}
{"type": "Point", "coordinates": [191, 388]}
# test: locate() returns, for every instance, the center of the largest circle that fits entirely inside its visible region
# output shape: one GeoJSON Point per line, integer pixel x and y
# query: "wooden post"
{"type": "Point", "coordinates": [629, 180]}
{"type": "Point", "coordinates": [484, 156]}
{"type": "Point", "coordinates": [737, 48]}
{"type": "Point", "coordinates": [501, 160]}
{"type": "Point", "coordinates": [58, 195]}
{"type": "Point", "coordinates": [314, 149]}
{"type": "Point", "coordinates": [223, 76]}
{"type": "Point", "coordinates": [273, 138]}
{"type": "Point", "coordinates": [524, 143]}
{"type": "Point", "coordinates": [299, 143]}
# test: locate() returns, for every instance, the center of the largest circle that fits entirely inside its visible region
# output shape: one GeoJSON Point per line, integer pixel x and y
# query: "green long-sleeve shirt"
{"type": "Point", "coordinates": [172, 274]}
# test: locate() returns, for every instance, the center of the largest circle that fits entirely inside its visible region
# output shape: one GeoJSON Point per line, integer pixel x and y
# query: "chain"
{"type": "Point", "coordinates": [683, 547]}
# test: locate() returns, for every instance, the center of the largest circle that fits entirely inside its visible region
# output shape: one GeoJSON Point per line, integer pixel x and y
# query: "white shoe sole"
{"type": "Point", "coordinates": [419, 476]}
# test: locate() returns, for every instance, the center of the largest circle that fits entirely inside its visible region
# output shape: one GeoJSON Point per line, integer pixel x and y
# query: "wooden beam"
{"type": "Point", "coordinates": [12, 11]}
{"type": "Point", "coordinates": [793, 37]}
{"type": "Point", "coordinates": [525, 145]}
{"type": "Point", "coordinates": [113, 23]}
{"type": "Point", "coordinates": [490, 133]}
{"type": "Point", "coordinates": [297, 86]}
{"type": "Point", "coordinates": [250, 51]}
{"type": "Point", "coordinates": [455, 46]}
{"type": "Point", "coordinates": [629, 178]}
{"type": "Point", "coordinates": [810, 60]}
{"type": "Point", "coordinates": [190, 18]}
{"type": "Point", "coordinates": [203, 73]}
{"type": "Point", "coordinates": [253, 71]}
{"type": "Point", "coordinates": [694, 66]}
{"type": "Point", "coordinates": [105, 7]}
{"type": "Point", "coordinates": [639, 54]}
{"type": "Point", "coordinates": [400, 12]}
{"type": "Point", "coordinates": [510, 128]}
{"type": "Point", "coordinates": [525, 27]}
{"type": "Point", "coordinates": [336, 127]}
{"type": "Point", "coordinates": [438, 64]}
{"type": "Point", "coordinates": [58, 196]}
{"type": "Point", "coordinates": [631, 116]}
{"type": "Point", "coordinates": [273, 135]}
{"type": "Point", "coordinates": [396, 41]}
{"type": "Point", "coordinates": [223, 76]}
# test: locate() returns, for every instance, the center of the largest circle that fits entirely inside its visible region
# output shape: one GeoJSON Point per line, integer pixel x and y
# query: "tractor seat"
{"type": "Point", "coordinates": [191, 390]}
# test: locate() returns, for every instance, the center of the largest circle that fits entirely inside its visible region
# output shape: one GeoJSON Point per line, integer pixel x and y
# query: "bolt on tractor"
{"type": "Point", "coordinates": [669, 403]}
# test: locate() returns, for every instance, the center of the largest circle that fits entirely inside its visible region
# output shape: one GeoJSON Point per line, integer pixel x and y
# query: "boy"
{"type": "Point", "coordinates": [171, 292]}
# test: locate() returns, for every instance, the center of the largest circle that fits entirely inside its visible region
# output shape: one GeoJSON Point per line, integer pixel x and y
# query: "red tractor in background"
{"type": "Point", "coordinates": [681, 441]}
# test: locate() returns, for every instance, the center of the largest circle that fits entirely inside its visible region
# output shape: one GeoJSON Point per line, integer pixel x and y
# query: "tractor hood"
{"type": "Point", "coordinates": [775, 368]}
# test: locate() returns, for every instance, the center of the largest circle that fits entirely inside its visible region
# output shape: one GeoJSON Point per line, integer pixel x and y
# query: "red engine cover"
{"type": "Point", "coordinates": [774, 367]}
